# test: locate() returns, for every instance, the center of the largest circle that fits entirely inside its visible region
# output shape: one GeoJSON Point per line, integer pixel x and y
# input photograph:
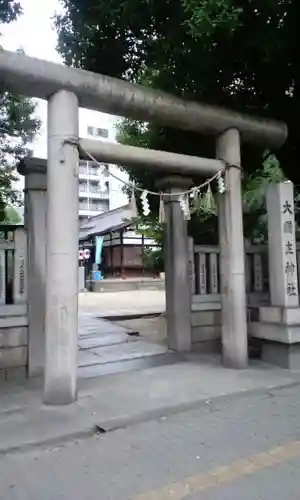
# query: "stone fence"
{"type": "Point", "coordinates": [13, 302]}
{"type": "Point", "coordinates": [271, 277]}
{"type": "Point", "coordinates": [205, 284]}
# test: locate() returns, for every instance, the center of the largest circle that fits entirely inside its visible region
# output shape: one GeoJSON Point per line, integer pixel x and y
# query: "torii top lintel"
{"type": "Point", "coordinates": [38, 78]}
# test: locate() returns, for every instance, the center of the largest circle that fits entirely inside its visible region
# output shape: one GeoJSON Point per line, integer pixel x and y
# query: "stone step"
{"type": "Point", "coordinates": [119, 352]}
{"type": "Point", "coordinates": [95, 340]}
{"type": "Point", "coordinates": [96, 332]}
{"type": "Point", "coordinates": [127, 365]}
{"type": "Point", "coordinates": [92, 325]}
{"type": "Point", "coordinates": [107, 348]}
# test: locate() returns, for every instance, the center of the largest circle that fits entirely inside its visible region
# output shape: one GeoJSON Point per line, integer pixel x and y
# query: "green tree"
{"type": "Point", "coordinates": [18, 126]}
{"type": "Point", "coordinates": [12, 217]}
{"type": "Point", "coordinates": [9, 10]}
{"type": "Point", "coordinates": [238, 53]}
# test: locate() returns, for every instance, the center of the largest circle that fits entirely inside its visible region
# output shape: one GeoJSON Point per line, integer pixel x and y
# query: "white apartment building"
{"type": "Point", "coordinates": [93, 189]}
{"type": "Point", "coordinates": [98, 191]}
{"type": "Point", "coordinates": [94, 182]}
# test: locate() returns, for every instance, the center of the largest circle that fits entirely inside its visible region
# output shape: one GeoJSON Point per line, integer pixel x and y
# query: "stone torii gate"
{"type": "Point", "coordinates": [65, 90]}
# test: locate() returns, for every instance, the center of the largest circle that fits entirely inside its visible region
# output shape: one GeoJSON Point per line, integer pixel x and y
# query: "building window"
{"type": "Point", "coordinates": [102, 132]}
{"type": "Point", "coordinates": [97, 205]}
{"type": "Point", "coordinates": [83, 219]}
{"type": "Point", "coordinates": [97, 132]}
{"type": "Point", "coordinates": [90, 130]}
{"type": "Point", "coordinates": [82, 186]}
{"type": "Point", "coordinates": [82, 168]}
{"type": "Point", "coordinates": [83, 205]}
{"type": "Point", "coordinates": [94, 187]}
{"type": "Point", "coordinates": [94, 170]}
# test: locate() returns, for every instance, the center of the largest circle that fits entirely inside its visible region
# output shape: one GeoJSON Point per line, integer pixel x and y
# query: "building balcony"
{"type": "Point", "coordinates": [86, 176]}
{"type": "Point", "coordinates": [89, 213]}
{"type": "Point", "coordinates": [97, 195]}
{"type": "Point", "coordinates": [90, 171]}
{"type": "Point", "coordinates": [94, 195]}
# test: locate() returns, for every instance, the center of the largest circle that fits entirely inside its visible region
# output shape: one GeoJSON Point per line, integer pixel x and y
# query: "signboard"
{"type": "Point", "coordinates": [283, 274]}
{"type": "Point", "coordinates": [289, 245]}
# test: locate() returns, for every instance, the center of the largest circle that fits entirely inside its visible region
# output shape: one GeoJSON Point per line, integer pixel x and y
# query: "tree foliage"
{"type": "Point", "coordinates": [9, 10]}
{"type": "Point", "coordinates": [12, 217]}
{"type": "Point", "coordinates": [237, 53]}
{"type": "Point", "coordinates": [17, 125]}
{"type": "Point", "coordinates": [17, 129]}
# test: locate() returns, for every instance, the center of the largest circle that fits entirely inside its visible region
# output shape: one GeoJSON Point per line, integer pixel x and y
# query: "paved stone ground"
{"type": "Point", "coordinates": [102, 341]}
{"type": "Point", "coordinates": [131, 302]}
{"type": "Point", "coordinates": [150, 329]}
{"type": "Point", "coordinates": [242, 448]}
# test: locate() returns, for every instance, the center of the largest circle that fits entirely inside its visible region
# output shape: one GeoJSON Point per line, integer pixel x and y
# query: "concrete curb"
{"type": "Point", "coordinates": [49, 442]}
{"type": "Point", "coordinates": [90, 429]}
{"type": "Point", "coordinates": [123, 422]}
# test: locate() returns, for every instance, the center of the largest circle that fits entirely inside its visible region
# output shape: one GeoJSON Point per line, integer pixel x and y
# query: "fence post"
{"type": "Point", "coordinates": [213, 273]}
{"type": "Point", "coordinates": [192, 265]}
{"type": "Point", "coordinates": [20, 267]}
{"type": "Point", "coordinates": [202, 273]}
{"type": "Point", "coordinates": [248, 273]}
{"type": "Point", "coordinates": [2, 277]}
{"type": "Point", "coordinates": [258, 272]}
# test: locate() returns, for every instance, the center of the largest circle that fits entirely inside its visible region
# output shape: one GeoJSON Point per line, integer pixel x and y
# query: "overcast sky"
{"type": "Point", "coordinates": [34, 32]}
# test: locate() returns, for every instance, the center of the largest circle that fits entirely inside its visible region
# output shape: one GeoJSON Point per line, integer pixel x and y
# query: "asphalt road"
{"type": "Point", "coordinates": [240, 448]}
